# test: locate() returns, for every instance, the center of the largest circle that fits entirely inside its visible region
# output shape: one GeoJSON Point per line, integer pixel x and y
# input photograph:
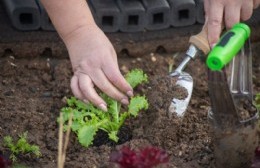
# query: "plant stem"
{"type": "Point", "coordinates": [67, 140]}
{"type": "Point", "coordinates": [60, 141]}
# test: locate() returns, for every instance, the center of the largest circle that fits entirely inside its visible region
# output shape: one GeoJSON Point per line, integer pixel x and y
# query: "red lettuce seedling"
{"type": "Point", "coordinates": [88, 119]}
{"type": "Point", "coordinates": [5, 162]}
{"type": "Point", "coordinates": [145, 158]}
{"type": "Point", "coordinates": [256, 160]}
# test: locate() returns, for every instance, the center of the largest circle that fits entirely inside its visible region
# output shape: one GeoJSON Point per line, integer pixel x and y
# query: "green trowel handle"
{"type": "Point", "coordinates": [228, 46]}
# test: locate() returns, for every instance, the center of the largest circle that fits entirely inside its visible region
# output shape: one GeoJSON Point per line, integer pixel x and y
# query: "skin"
{"type": "Point", "coordinates": [228, 12]}
{"type": "Point", "coordinates": [93, 58]}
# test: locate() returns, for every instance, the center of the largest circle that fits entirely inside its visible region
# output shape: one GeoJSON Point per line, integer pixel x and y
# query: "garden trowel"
{"type": "Point", "coordinates": [198, 45]}
{"type": "Point", "coordinates": [231, 89]}
{"type": "Point", "coordinates": [234, 119]}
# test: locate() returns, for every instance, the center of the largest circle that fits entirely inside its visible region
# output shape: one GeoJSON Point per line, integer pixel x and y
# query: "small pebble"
{"type": "Point", "coordinates": [124, 69]}
{"type": "Point", "coordinates": [153, 58]}
{"type": "Point", "coordinates": [180, 153]}
{"type": "Point", "coordinates": [64, 99]}
{"type": "Point", "coordinates": [32, 89]}
{"type": "Point", "coordinates": [134, 61]}
{"type": "Point", "coordinates": [4, 82]}
{"type": "Point", "coordinates": [47, 94]}
{"type": "Point", "coordinates": [12, 57]}
{"type": "Point", "coordinates": [9, 93]}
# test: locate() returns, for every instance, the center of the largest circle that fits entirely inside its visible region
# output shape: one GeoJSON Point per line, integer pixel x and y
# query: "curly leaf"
{"type": "Point", "coordinates": [136, 104]}
{"type": "Point", "coordinates": [113, 107]}
{"type": "Point", "coordinates": [86, 134]}
{"type": "Point", "coordinates": [136, 77]}
{"type": "Point", "coordinates": [72, 101]}
{"type": "Point", "coordinates": [87, 118]}
{"type": "Point", "coordinates": [122, 119]}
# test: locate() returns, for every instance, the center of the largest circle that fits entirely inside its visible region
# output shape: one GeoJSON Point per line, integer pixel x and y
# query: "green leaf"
{"type": "Point", "coordinates": [122, 118]}
{"type": "Point", "coordinates": [86, 134]}
{"type": "Point", "coordinates": [71, 102]}
{"type": "Point", "coordinates": [136, 104]}
{"type": "Point", "coordinates": [113, 136]}
{"type": "Point", "coordinates": [136, 77]}
{"type": "Point", "coordinates": [257, 101]}
{"type": "Point", "coordinates": [8, 141]}
{"type": "Point", "coordinates": [88, 119]}
{"type": "Point", "coordinates": [113, 107]}
{"type": "Point", "coordinates": [21, 146]}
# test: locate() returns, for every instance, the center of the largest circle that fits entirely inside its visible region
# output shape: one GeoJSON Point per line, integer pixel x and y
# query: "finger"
{"type": "Point", "coordinates": [103, 84]}
{"type": "Point", "coordinates": [246, 10]}
{"type": "Point", "coordinates": [116, 78]}
{"type": "Point", "coordinates": [75, 87]}
{"type": "Point", "coordinates": [206, 8]}
{"type": "Point", "coordinates": [232, 14]}
{"type": "Point", "coordinates": [256, 3]}
{"type": "Point", "coordinates": [87, 89]}
{"type": "Point", "coordinates": [214, 21]}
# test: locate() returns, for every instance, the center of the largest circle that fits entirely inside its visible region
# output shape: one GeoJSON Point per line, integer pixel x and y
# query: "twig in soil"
{"type": "Point", "coordinates": [60, 140]}
{"type": "Point", "coordinates": [62, 152]}
{"type": "Point", "coordinates": [171, 62]}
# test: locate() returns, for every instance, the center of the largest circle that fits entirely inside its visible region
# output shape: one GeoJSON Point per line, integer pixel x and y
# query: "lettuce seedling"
{"type": "Point", "coordinates": [21, 146]}
{"type": "Point", "coordinates": [257, 101]}
{"type": "Point", "coordinates": [256, 159]}
{"type": "Point", "coordinates": [88, 119]}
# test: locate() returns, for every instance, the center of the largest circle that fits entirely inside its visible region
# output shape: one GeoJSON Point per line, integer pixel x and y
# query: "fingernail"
{"type": "Point", "coordinates": [213, 45]}
{"type": "Point", "coordinates": [130, 93]}
{"type": "Point", "coordinates": [85, 101]}
{"type": "Point", "coordinates": [103, 107]}
{"type": "Point", "coordinates": [125, 101]}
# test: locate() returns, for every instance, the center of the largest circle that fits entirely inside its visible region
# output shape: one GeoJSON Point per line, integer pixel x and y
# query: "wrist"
{"type": "Point", "coordinates": [79, 31]}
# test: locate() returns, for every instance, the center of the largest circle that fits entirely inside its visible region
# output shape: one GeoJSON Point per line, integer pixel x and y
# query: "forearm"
{"type": "Point", "coordinates": [68, 16]}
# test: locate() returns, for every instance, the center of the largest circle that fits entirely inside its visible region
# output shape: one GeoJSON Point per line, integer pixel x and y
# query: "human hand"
{"type": "Point", "coordinates": [94, 63]}
{"type": "Point", "coordinates": [228, 12]}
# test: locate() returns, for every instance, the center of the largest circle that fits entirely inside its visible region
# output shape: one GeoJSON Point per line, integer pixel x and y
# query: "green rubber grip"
{"type": "Point", "coordinates": [228, 46]}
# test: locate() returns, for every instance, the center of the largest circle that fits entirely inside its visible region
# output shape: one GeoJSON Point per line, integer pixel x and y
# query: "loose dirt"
{"type": "Point", "coordinates": [32, 92]}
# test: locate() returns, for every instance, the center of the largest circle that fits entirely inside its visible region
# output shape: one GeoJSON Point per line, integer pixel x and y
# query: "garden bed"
{"type": "Point", "coordinates": [32, 92]}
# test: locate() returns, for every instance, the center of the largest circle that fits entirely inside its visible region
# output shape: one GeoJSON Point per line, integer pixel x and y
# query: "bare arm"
{"type": "Point", "coordinates": [93, 57]}
{"type": "Point", "coordinates": [68, 16]}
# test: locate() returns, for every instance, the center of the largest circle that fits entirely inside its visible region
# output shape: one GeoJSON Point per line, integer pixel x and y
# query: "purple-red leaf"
{"type": "Point", "coordinates": [4, 162]}
{"type": "Point", "coordinates": [152, 156]}
{"type": "Point", "coordinates": [126, 158]}
{"type": "Point", "coordinates": [256, 160]}
{"type": "Point", "coordinates": [144, 158]}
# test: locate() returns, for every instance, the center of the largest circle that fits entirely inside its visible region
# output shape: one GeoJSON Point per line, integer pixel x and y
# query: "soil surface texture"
{"type": "Point", "coordinates": [32, 92]}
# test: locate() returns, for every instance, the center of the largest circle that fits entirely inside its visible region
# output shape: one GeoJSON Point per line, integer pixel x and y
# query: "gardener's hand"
{"type": "Point", "coordinates": [92, 56]}
{"type": "Point", "coordinates": [94, 63]}
{"type": "Point", "coordinates": [227, 11]}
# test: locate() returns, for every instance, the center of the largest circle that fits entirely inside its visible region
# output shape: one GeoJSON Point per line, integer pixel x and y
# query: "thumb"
{"type": "Point", "coordinates": [214, 23]}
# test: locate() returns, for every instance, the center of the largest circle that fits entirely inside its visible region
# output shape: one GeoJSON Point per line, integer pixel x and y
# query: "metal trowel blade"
{"type": "Point", "coordinates": [179, 106]}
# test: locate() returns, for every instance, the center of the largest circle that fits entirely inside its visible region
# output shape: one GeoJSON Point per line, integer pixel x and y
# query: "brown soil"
{"type": "Point", "coordinates": [161, 90]}
{"type": "Point", "coordinates": [33, 91]}
{"type": "Point", "coordinates": [246, 109]}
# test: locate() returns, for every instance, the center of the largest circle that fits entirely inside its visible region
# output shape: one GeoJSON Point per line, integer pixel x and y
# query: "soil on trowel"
{"type": "Point", "coordinates": [161, 91]}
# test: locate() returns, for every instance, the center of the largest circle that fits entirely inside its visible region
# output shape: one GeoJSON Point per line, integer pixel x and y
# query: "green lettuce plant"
{"type": "Point", "coordinates": [87, 119]}
{"type": "Point", "coordinates": [21, 146]}
{"type": "Point", "coordinates": [257, 101]}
